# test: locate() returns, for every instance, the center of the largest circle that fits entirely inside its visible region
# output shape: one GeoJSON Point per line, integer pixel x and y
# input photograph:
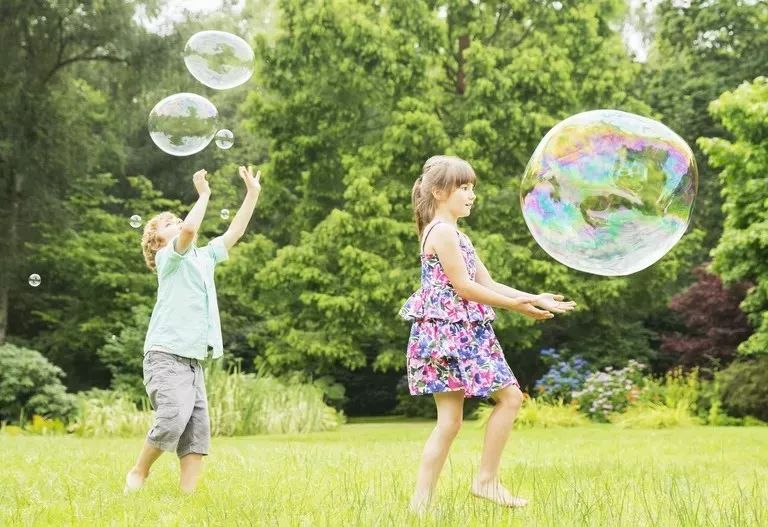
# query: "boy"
{"type": "Point", "coordinates": [185, 321]}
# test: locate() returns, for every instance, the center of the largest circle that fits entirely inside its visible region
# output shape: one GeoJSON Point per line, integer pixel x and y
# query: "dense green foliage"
{"type": "Point", "coordinates": [348, 100]}
{"type": "Point", "coordinates": [744, 387]}
{"type": "Point", "coordinates": [742, 253]}
{"type": "Point", "coordinates": [31, 385]}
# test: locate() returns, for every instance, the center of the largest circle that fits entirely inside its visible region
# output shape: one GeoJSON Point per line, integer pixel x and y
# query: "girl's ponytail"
{"type": "Point", "coordinates": [419, 212]}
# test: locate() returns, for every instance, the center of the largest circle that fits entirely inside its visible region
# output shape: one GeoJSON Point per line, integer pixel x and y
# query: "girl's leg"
{"type": "Point", "coordinates": [191, 466]}
{"type": "Point", "coordinates": [136, 476]}
{"type": "Point", "coordinates": [487, 484]}
{"type": "Point", "coordinates": [450, 406]}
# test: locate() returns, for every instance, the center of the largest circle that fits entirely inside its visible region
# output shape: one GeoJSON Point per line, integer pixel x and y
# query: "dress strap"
{"type": "Point", "coordinates": [424, 240]}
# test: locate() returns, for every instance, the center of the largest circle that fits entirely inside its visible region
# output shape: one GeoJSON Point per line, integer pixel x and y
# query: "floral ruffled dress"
{"type": "Point", "coordinates": [452, 345]}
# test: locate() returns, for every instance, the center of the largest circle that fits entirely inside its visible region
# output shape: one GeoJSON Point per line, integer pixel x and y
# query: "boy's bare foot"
{"type": "Point", "coordinates": [134, 480]}
{"type": "Point", "coordinates": [497, 493]}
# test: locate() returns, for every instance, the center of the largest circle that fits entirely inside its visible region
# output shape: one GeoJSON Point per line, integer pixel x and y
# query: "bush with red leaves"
{"type": "Point", "coordinates": [715, 324]}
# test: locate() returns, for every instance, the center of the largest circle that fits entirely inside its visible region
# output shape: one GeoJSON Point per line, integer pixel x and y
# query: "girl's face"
{"type": "Point", "coordinates": [459, 203]}
{"type": "Point", "coordinates": [169, 228]}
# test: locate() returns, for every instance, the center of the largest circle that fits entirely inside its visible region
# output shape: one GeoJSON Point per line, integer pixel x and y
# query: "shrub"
{"type": "Point", "coordinates": [744, 387]}
{"type": "Point", "coordinates": [238, 403]}
{"type": "Point", "coordinates": [676, 388]}
{"type": "Point", "coordinates": [44, 427]}
{"type": "Point", "coordinates": [538, 413]}
{"type": "Point", "coordinates": [714, 323]}
{"type": "Point", "coordinates": [30, 385]}
{"type": "Point", "coordinates": [246, 403]}
{"type": "Point", "coordinates": [610, 391]}
{"type": "Point", "coordinates": [106, 413]}
{"type": "Point", "coordinates": [564, 376]}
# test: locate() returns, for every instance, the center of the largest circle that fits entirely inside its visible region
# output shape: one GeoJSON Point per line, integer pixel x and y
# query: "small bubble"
{"type": "Point", "coordinates": [135, 221]}
{"type": "Point", "coordinates": [225, 139]}
{"type": "Point", "coordinates": [224, 214]}
{"type": "Point", "coordinates": [34, 280]}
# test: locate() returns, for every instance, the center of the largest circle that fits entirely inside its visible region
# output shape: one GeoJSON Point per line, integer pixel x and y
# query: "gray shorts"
{"type": "Point", "coordinates": [176, 390]}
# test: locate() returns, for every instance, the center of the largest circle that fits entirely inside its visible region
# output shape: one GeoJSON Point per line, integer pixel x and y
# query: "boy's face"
{"type": "Point", "coordinates": [168, 228]}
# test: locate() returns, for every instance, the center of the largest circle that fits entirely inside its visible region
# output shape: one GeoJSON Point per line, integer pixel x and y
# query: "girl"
{"type": "Point", "coordinates": [184, 323]}
{"type": "Point", "coordinates": [452, 350]}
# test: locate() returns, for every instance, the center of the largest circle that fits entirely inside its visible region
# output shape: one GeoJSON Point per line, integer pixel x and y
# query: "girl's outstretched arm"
{"type": "Point", "coordinates": [243, 217]}
{"type": "Point", "coordinates": [547, 301]}
{"type": "Point", "coordinates": [195, 217]}
{"type": "Point", "coordinates": [446, 245]}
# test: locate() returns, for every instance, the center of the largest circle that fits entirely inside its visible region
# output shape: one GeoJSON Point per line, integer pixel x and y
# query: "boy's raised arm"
{"type": "Point", "coordinates": [195, 217]}
{"type": "Point", "coordinates": [240, 223]}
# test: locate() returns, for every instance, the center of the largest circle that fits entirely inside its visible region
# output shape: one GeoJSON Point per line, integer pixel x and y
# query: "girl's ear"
{"type": "Point", "coordinates": [438, 194]}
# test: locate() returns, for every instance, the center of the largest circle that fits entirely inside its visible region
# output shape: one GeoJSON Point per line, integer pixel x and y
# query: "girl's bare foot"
{"type": "Point", "coordinates": [419, 504]}
{"type": "Point", "coordinates": [497, 493]}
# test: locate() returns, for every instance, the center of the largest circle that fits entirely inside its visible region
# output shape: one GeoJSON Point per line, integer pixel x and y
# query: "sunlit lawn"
{"type": "Point", "coordinates": [363, 473]}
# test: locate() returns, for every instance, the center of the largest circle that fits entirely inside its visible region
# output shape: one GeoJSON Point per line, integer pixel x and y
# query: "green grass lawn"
{"type": "Point", "coordinates": [363, 473]}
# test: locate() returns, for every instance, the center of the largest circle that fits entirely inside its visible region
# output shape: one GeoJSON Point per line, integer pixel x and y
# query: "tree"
{"type": "Point", "coordinates": [94, 277]}
{"type": "Point", "coordinates": [701, 48]}
{"type": "Point", "coordinates": [741, 254]}
{"type": "Point", "coordinates": [485, 81]}
{"type": "Point", "coordinates": [50, 118]}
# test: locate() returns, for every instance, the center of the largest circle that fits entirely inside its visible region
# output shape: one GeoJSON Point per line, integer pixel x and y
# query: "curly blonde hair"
{"type": "Point", "coordinates": [151, 242]}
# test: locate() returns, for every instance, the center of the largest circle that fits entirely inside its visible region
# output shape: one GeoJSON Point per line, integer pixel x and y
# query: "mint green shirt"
{"type": "Point", "coordinates": [185, 320]}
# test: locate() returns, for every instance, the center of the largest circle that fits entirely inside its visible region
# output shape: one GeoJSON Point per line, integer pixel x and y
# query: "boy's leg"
{"type": "Point", "coordinates": [195, 440]}
{"type": "Point", "coordinates": [191, 467]}
{"type": "Point", "coordinates": [170, 389]}
{"type": "Point", "coordinates": [136, 476]}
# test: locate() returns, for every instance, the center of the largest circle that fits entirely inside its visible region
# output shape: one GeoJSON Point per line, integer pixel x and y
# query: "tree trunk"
{"type": "Point", "coordinates": [9, 253]}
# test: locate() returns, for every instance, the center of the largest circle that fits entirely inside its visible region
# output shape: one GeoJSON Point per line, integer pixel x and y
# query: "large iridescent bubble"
{"type": "Point", "coordinates": [609, 192]}
{"type": "Point", "coordinates": [218, 59]}
{"type": "Point", "coordinates": [183, 124]}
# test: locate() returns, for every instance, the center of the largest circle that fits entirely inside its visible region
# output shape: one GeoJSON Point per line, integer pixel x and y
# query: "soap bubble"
{"type": "Point", "coordinates": [609, 192]}
{"type": "Point", "coordinates": [224, 214]}
{"type": "Point", "coordinates": [34, 280]}
{"type": "Point", "coordinates": [135, 221]}
{"type": "Point", "coordinates": [219, 60]}
{"type": "Point", "coordinates": [225, 139]}
{"type": "Point", "coordinates": [183, 124]}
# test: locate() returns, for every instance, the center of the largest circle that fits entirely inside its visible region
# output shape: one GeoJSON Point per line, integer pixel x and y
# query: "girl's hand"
{"type": "Point", "coordinates": [252, 183]}
{"type": "Point", "coordinates": [525, 306]}
{"type": "Point", "coordinates": [554, 303]}
{"type": "Point", "coordinates": [201, 184]}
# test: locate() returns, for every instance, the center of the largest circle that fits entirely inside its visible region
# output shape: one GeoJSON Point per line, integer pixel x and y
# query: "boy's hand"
{"type": "Point", "coordinates": [252, 183]}
{"type": "Point", "coordinates": [201, 184]}
{"type": "Point", "coordinates": [554, 303]}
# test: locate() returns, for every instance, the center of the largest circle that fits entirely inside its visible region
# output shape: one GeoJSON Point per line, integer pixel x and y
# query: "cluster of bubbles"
{"type": "Point", "coordinates": [609, 192]}
{"type": "Point", "coordinates": [185, 123]}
